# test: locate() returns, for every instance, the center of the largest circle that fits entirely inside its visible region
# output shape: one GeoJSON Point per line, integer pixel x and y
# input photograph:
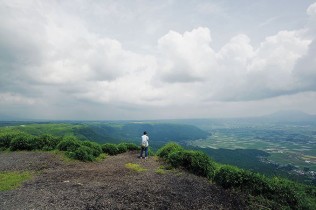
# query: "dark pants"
{"type": "Point", "coordinates": [142, 150]}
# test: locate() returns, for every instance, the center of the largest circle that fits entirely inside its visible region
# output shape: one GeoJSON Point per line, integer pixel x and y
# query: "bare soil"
{"type": "Point", "coordinates": [108, 184]}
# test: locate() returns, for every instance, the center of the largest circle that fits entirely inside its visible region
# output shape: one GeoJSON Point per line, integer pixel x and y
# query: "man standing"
{"type": "Point", "coordinates": [144, 145]}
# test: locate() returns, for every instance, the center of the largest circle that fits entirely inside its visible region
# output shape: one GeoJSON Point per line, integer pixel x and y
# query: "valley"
{"type": "Point", "coordinates": [288, 147]}
{"type": "Point", "coordinates": [266, 145]}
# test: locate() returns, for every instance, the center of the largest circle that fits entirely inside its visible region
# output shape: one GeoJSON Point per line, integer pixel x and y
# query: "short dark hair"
{"type": "Point", "coordinates": [145, 132]}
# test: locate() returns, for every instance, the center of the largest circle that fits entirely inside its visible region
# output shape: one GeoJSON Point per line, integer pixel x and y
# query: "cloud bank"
{"type": "Point", "coordinates": [50, 54]}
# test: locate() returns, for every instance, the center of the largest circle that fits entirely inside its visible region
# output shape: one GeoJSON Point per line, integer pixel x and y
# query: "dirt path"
{"type": "Point", "coordinates": [108, 185]}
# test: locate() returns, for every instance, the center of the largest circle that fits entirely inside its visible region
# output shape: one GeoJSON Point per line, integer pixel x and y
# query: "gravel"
{"type": "Point", "coordinates": [108, 185]}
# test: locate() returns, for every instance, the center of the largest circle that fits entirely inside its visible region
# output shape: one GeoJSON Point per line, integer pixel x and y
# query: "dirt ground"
{"type": "Point", "coordinates": [108, 184]}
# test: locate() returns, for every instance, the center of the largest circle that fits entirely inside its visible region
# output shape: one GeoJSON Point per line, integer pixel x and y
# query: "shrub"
{"type": "Point", "coordinates": [150, 152]}
{"type": "Point", "coordinates": [194, 161]}
{"type": "Point", "coordinates": [288, 193]}
{"type": "Point", "coordinates": [82, 153]}
{"type": "Point", "coordinates": [233, 177]}
{"type": "Point", "coordinates": [110, 149]}
{"type": "Point", "coordinates": [6, 138]}
{"type": "Point", "coordinates": [281, 191]}
{"type": "Point", "coordinates": [47, 142]}
{"type": "Point", "coordinates": [114, 149]}
{"type": "Point", "coordinates": [69, 143]}
{"type": "Point", "coordinates": [122, 148]}
{"type": "Point", "coordinates": [229, 176]}
{"type": "Point", "coordinates": [130, 146]}
{"type": "Point", "coordinates": [164, 151]}
{"type": "Point", "coordinates": [22, 141]}
{"type": "Point", "coordinates": [175, 158]}
{"type": "Point", "coordinates": [200, 164]}
{"type": "Point", "coordinates": [95, 147]}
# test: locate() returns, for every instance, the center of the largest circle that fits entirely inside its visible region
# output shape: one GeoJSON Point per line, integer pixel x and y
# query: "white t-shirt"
{"type": "Point", "coordinates": [145, 139]}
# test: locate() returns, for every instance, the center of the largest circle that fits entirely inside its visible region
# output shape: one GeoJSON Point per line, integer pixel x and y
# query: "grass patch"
{"type": "Point", "coordinates": [12, 180]}
{"type": "Point", "coordinates": [63, 157]}
{"type": "Point", "coordinates": [156, 158]}
{"type": "Point", "coordinates": [135, 167]}
{"type": "Point", "coordinates": [101, 157]}
{"type": "Point", "coordinates": [160, 171]}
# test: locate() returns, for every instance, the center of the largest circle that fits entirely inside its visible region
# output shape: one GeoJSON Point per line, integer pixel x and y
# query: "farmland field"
{"type": "Point", "coordinates": [291, 146]}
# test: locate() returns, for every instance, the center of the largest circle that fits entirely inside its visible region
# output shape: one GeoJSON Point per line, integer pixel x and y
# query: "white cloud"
{"type": "Point", "coordinates": [311, 10]}
{"type": "Point", "coordinates": [238, 71]}
{"type": "Point", "coordinates": [56, 49]}
{"type": "Point", "coordinates": [305, 69]}
{"type": "Point", "coordinates": [186, 57]}
{"type": "Point", "coordinates": [233, 59]}
{"type": "Point", "coordinates": [273, 63]}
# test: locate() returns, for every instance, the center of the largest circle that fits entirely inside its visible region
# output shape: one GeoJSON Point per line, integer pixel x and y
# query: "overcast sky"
{"type": "Point", "coordinates": [125, 59]}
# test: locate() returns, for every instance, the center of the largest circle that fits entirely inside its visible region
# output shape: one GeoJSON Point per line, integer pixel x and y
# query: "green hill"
{"type": "Point", "coordinates": [106, 132]}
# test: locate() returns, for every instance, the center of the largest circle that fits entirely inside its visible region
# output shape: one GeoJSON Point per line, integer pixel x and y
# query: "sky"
{"type": "Point", "coordinates": [167, 59]}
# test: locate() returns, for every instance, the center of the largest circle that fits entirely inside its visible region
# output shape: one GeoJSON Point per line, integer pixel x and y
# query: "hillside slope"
{"type": "Point", "coordinates": [105, 132]}
{"type": "Point", "coordinates": [108, 185]}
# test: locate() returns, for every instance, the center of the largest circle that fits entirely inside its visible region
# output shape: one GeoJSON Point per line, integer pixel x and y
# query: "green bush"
{"type": "Point", "coordinates": [130, 146]}
{"type": "Point", "coordinates": [176, 158]}
{"type": "Point", "coordinates": [194, 161]}
{"type": "Point", "coordinates": [110, 149]}
{"type": "Point", "coordinates": [289, 193]}
{"type": "Point", "coordinates": [95, 147]}
{"type": "Point", "coordinates": [69, 143]}
{"type": "Point", "coordinates": [46, 142]}
{"type": "Point", "coordinates": [199, 163]}
{"type": "Point", "coordinates": [229, 177]}
{"type": "Point", "coordinates": [6, 138]}
{"type": "Point", "coordinates": [233, 177]}
{"type": "Point", "coordinates": [82, 153]}
{"type": "Point", "coordinates": [164, 151]}
{"type": "Point", "coordinates": [150, 151]}
{"type": "Point", "coordinates": [22, 142]}
{"type": "Point", "coordinates": [122, 148]}
{"type": "Point", "coordinates": [114, 149]}
{"type": "Point", "coordinates": [282, 191]}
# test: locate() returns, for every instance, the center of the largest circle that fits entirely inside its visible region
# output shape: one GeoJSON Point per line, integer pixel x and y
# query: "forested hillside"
{"type": "Point", "coordinates": [102, 132]}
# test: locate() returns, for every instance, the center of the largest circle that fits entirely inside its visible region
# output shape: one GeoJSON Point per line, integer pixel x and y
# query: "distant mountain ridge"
{"type": "Point", "coordinates": [290, 116]}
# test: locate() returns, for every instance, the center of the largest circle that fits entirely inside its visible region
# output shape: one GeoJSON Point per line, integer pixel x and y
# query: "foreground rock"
{"type": "Point", "coordinates": [108, 185]}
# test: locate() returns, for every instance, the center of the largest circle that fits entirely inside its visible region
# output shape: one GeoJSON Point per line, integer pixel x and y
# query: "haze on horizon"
{"type": "Point", "coordinates": [109, 60]}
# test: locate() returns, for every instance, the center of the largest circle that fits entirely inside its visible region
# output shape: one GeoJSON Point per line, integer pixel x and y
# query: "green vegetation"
{"type": "Point", "coordinates": [160, 171]}
{"type": "Point", "coordinates": [135, 167]}
{"type": "Point", "coordinates": [101, 157]}
{"type": "Point", "coordinates": [82, 153]}
{"type": "Point", "coordinates": [12, 180]}
{"type": "Point", "coordinates": [73, 147]}
{"type": "Point", "coordinates": [69, 143]}
{"type": "Point", "coordinates": [164, 151]}
{"type": "Point", "coordinates": [283, 192]}
{"type": "Point", "coordinates": [109, 132]}
{"type": "Point", "coordinates": [114, 149]}
{"type": "Point", "coordinates": [95, 147]}
{"type": "Point", "coordinates": [110, 149]}
{"type": "Point", "coordinates": [194, 161]}
{"type": "Point", "coordinates": [275, 193]}
{"type": "Point", "coordinates": [282, 149]}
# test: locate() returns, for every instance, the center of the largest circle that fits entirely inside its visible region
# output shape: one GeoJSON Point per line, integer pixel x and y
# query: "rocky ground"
{"type": "Point", "coordinates": [108, 184]}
